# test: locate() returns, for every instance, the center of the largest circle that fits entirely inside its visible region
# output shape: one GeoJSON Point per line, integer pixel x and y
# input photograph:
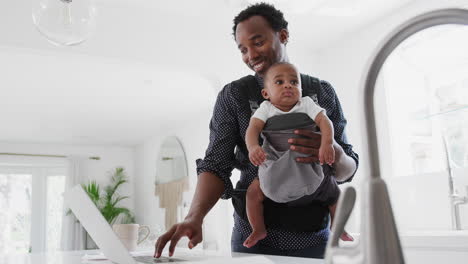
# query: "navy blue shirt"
{"type": "Point", "coordinates": [227, 150]}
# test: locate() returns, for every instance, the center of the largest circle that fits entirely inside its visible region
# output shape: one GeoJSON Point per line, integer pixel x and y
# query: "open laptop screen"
{"type": "Point", "coordinates": [96, 226]}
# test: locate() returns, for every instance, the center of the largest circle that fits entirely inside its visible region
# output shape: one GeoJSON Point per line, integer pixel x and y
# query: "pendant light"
{"type": "Point", "coordinates": [64, 22]}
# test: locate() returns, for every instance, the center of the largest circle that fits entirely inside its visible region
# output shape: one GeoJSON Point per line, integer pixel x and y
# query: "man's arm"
{"type": "Point", "coordinates": [344, 165]}
{"type": "Point", "coordinates": [213, 174]}
{"type": "Point", "coordinates": [207, 193]}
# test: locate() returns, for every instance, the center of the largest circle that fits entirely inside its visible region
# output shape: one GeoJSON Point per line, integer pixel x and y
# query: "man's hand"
{"type": "Point", "coordinates": [344, 165]}
{"type": "Point", "coordinates": [309, 146]}
{"type": "Point", "coordinates": [207, 193]}
{"type": "Point", "coordinates": [189, 228]}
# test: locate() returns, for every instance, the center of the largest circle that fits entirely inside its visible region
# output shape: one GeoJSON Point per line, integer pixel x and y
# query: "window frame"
{"type": "Point", "coordinates": [39, 172]}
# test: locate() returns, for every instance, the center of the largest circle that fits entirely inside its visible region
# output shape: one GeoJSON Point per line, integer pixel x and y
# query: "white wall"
{"type": "Point", "coordinates": [111, 157]}
{"type": "Point", "coordinates": [343, 65]}
{"type": "Point", "coordinates": [193, 134]}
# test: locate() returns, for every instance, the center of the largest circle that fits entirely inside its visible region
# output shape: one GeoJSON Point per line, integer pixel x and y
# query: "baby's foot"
{"type": "Point", "coordinates": [346, 237]}
{"type": "Point", "coordinates": [254, 238]}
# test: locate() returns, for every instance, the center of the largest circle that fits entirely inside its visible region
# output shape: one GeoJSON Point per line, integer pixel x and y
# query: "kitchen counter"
{"type": "Point", "coordinates": [413, 256]}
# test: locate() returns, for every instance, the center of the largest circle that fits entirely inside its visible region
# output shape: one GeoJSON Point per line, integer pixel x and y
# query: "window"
{"type": "Point", "coordinates": [15, 211]}
{"type": "Point", "coordinates": [422, 122]}
{"type": "Point", "coordinates": [55, 189]}
{"type": "Point", "coordinates": [31, 208]}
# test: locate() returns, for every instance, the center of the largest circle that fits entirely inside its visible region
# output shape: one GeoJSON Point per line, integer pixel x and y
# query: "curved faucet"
{"type": "Point", "coordinates": [379, 242]}
{"type": "Point", "coordinates": [455, 199]}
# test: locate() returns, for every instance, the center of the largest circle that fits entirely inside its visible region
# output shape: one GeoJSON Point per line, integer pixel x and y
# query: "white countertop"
{"type": "Point", "coordinates": [75, 257]}
{"type": "Point", "coordinates": [412, 256]}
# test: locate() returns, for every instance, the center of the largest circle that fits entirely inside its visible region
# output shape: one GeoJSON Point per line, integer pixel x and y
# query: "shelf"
{"type": "Point", "coordinates": [451, 110]}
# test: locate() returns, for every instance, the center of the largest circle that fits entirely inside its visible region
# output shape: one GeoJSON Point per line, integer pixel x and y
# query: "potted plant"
{"type": "Point", "coordinates": [107, 201]}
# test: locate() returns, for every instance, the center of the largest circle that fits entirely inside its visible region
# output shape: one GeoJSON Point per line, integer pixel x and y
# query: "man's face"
{"type": "Point", "coordinates": [259, 44]}
{"type": "Point", "coordinates": [282, 86]}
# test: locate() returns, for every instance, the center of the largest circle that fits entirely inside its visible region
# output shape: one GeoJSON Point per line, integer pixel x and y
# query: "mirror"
{"type": "Point", "coordinates": [171, 178]}
{"type": "Point", "coordinates": [171, 164]}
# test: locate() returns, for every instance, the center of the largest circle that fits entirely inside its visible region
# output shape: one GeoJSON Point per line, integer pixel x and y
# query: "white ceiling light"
{"type": "Point", "coordinates": [64, 22]}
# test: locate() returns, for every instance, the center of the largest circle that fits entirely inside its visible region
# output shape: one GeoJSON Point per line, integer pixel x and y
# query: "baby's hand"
{"type": "Point", "coordinates": [256, 155]}
{"type": "Point", "coordinates": [326, 154]}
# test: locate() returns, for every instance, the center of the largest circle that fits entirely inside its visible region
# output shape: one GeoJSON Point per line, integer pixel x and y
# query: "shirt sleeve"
{"type": "Point", "coordinates": [312, 109]}
{"type": "Point", "coordinates": [329, 101]}
{"type": "Point", "coordinates": [219, 157]}
{"type": "Point", "coordinates": [263, 111]}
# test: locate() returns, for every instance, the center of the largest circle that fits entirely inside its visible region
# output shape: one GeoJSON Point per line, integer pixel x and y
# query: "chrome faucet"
{"type": "Point", "coordinates": [379, 242]}
{"type": "Point", "coordinates": [455, 199]}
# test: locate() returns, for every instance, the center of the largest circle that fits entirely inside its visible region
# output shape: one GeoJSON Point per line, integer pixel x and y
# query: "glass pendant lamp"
{"type": "Point", "coordinates": [64, 22]}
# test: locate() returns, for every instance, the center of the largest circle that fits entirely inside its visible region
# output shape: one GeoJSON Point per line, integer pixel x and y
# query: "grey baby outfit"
{"type": "Point", "coordinates": [284, 180]}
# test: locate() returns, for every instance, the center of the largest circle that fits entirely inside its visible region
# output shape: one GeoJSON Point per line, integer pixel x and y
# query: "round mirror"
{"type": "Point", "coordinates": [171, 179]}
{"type": "Point", "coordinates": [171, 164]}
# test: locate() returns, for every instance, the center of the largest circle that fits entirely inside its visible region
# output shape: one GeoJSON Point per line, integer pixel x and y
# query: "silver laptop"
{"type": "Point", "coordinates": [102, 234]}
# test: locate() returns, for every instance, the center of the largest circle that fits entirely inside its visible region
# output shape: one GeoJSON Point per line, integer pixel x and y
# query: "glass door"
{"type": "Point", "coordinates": [31, 208]}
{"type": "Point", "coordinates": [15, 211]}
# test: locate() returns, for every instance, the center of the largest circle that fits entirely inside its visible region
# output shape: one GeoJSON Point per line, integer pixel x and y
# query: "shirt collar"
{"type": "Point", "coordinates": [299, 102]}
{"type": "Point", "coordinates": [259, 80]}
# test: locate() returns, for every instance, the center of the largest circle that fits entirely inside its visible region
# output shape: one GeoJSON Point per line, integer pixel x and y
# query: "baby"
{"type": "Point", "coordinates": [284, 95]}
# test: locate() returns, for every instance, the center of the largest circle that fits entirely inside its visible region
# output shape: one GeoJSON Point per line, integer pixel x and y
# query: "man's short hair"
{"type": "Point", "coordinates": [273, 16]}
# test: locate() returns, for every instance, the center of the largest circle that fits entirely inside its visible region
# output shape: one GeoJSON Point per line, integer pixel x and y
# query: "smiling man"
{"type": "Point", "coordinates": [260, 45]}
{"type": "Point", "coordinates": [261, 34]}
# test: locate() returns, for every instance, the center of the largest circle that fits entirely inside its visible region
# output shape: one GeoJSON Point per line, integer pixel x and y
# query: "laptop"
{"type": "Point", "coordinates": [103, 235]}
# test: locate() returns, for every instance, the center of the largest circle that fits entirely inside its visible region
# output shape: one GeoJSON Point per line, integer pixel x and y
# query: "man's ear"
{"type": "Point", "coordinates": [284, 36]}
{"type": "Point", "coordinates": [265, 94]}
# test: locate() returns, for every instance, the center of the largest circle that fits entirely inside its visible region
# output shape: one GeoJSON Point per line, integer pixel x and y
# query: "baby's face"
{"type": "Point", "coordinates": [282, 85]}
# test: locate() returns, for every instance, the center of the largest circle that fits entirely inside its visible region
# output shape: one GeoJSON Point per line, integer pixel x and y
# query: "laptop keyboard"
{"type": "Point", "coordinates": [150, 259]}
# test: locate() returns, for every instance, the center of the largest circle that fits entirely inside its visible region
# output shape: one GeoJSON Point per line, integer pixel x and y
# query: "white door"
{"type": "Point", "coordinates": [31, 208]}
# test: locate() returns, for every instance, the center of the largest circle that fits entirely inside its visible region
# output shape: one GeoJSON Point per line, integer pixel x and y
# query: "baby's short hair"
{"type": "Point", "coordinates": [278, 64]}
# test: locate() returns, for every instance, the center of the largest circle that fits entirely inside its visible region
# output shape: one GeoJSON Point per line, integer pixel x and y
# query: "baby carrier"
{"type": "Point", "coordinates": [290, 216]}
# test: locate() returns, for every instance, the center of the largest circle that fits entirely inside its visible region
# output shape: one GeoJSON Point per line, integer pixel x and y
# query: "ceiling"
{"type": "Point", "coordinates": [84, 100]}
{"type": "Point", "coordinates": [146, 59]}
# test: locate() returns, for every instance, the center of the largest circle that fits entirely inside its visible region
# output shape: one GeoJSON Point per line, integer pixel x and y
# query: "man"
{"type": "Point", "coordinates": [261, 35]}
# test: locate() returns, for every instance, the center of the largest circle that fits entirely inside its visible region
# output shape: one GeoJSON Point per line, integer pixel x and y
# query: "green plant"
{"type": "Point", "coordinates": [107, 200]}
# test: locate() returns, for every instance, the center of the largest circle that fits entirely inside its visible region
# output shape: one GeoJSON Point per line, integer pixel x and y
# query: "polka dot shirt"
{"type": "Point", "coordinates": [227, 150]}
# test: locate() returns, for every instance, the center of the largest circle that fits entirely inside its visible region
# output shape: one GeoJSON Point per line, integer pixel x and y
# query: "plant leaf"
{"type": "Point", "coordinates": [107, 201]}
